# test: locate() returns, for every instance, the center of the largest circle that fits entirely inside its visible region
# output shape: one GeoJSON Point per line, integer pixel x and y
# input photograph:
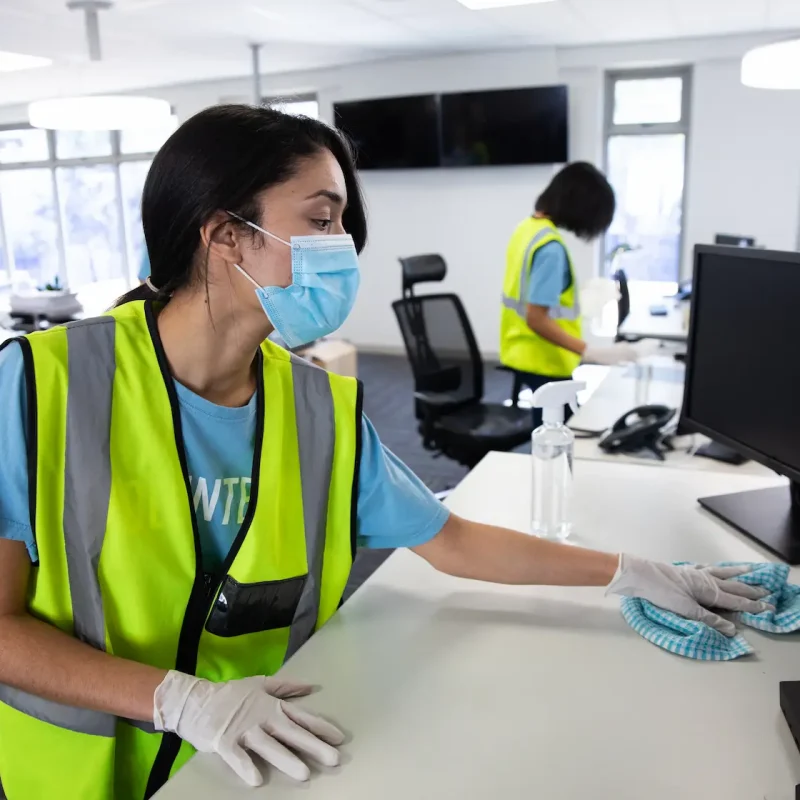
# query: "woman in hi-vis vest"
{"type": "Point", "coordinates": [180, 499]}
{"type": "Point", "coordinates": [541, 335]}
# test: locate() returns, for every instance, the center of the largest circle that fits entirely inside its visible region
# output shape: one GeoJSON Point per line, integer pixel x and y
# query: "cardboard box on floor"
{"type": "Point", "coordinates": [334, 355]}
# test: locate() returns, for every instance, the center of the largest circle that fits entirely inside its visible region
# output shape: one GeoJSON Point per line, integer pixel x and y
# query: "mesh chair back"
{"type": "Point", "coordinates": [624, 304]}
{"type": "Point", "coordinates": [441, 347]}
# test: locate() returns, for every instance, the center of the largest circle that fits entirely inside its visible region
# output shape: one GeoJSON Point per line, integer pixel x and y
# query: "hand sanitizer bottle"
{"type": "Point", "coordinates": [552, 447]}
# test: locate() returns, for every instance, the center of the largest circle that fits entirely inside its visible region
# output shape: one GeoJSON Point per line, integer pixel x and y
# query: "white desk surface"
{"type": "Point", "coordinates": [456, 689]}
{"type": "Point", "coordinates": [642, 324]}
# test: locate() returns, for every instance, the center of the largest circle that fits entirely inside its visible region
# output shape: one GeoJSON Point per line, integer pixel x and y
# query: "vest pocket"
{"type": "Point", "coordinates": [243, 608]}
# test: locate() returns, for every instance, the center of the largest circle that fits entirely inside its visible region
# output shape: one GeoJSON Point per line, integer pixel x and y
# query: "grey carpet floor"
{"type": "Point", "coordinates": [389, 404]}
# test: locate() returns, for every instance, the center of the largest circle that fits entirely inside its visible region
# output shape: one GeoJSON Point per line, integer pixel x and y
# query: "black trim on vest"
{"type": "Point", "coordinates": [357, 468]}
{"type": "Point", "coordinates": [200, 600]}
{"type": "Point", "coordinates": [32, 437]}
{"type": "Point", "coordinates": [256, 476]}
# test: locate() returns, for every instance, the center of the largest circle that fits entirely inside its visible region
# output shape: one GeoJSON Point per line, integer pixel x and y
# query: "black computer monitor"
{"type": "Point", "coordinates": [743, 381]}
{"type": "Point", "coordinates": [734, 241]}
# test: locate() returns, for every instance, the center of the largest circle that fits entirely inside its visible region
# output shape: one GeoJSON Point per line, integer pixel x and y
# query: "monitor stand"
{"type": "Point", "coordinates": [719, 452]}
{"type": "Point", "coordinates": [770, 516]}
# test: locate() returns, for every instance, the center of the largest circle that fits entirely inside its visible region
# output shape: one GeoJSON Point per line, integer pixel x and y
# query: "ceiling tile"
{"type": "Point", "coordinates": [719, 16]}
{"type": "Point", "coordinates": [166, 41]}
{"type": "Point", "coordinates": [783, 14]}
{"type": "Point", "coordinates": [628, 20]}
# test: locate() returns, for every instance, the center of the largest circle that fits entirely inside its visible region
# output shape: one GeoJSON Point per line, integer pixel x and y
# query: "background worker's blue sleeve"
{"type": "Point", "coordinates": [550, 275]}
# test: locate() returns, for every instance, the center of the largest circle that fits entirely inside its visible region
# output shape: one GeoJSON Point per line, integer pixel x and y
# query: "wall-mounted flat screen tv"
{"type": "Point", "coordinates": [508, 126]}
{"type": "Point", "coordinates": [392, 133]}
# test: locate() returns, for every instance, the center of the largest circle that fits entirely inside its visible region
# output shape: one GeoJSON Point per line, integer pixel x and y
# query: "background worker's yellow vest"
{"type": "Point", "coordinates": [521, 348]}
{"type": "Point", "coordinates": [119, 555]}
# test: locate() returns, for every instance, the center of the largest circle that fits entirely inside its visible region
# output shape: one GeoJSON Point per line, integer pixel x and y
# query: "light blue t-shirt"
{"type": "Point", "coordinates": [144, 267]}
{"type": "Point", "coordinates": [550, 275]}
{"type": "Point", "coordinates": [394, 508]}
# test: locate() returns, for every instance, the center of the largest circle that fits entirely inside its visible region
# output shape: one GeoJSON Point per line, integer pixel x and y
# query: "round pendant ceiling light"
{"type": "Point", "coordinates": [773, 66]}
{"type": "Point", "coordinates": [98, 112]}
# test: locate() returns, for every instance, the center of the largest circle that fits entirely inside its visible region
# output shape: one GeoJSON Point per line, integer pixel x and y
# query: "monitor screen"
{"type": "Point", "coordinates": [392, 133]}
{"type": "Point", "coordinates": [742, 379]}
{"type": "Point", "coordinates": [510, 126]}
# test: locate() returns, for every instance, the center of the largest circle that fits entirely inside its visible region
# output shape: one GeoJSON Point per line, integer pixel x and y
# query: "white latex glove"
{"type": "Point", "coordinates": [233, 718]}
{"type": "Point", "coordinates": [689, 590]}
{"type": "Point", "coordinates": [611, 354]}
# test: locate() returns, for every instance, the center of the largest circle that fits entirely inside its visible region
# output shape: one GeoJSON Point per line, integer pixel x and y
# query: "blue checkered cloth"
{"type": "Point", "coordinates": [691, 639]}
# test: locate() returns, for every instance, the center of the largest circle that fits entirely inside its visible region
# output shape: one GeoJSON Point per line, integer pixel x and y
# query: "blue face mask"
{"type": "Point", "coordinates": [325, 280]}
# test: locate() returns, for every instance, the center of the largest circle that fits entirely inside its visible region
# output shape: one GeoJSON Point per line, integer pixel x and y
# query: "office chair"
{"type": "Point", "coordinates": [448, 373]}
{"type": "Point", "coordinates": [623, 305]}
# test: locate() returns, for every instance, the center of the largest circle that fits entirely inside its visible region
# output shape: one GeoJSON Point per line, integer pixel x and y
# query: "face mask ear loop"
{"type": "Point", "coordinates": [247, 276]}
{"type": "Point", "coordinates": [257, 228]}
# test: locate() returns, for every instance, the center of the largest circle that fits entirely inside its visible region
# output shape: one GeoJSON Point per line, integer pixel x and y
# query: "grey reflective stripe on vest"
{"type": "Point", "coordinates": [80, 720]}
{"type": "Point", "coordinates": [91, 364]}
{"type": "Point", "coordinates": [316, 436]}
{"type": "Point", "coordinates": [520, 305]}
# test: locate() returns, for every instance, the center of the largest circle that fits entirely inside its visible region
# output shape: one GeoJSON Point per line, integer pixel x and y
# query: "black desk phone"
{"type": "Point", "coordinates": [639, 429]}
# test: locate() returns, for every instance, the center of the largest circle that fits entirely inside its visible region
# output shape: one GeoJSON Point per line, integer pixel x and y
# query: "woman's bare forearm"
{"type": "Point", "coordinates": [482, 552]}
{"type": "Point", "coordinates": [539, 321]}
{"type": "Point", "coordinates": [44, 661]}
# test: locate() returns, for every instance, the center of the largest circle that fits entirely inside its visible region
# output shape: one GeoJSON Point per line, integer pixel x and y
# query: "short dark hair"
{"type": "Point", "coordinates": [580, 200]}
{"type": "Point", "coordinates": [221, 160]}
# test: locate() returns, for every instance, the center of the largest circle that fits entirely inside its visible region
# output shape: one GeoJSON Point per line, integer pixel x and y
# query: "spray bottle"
{"type": "Point", "coordinates": [552, 447]}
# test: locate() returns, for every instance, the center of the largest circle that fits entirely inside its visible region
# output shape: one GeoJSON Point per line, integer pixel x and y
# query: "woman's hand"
{"type": "Point", "coordinates": [236, 718]}
{"type": "Point", "coordinates": [689, 590]}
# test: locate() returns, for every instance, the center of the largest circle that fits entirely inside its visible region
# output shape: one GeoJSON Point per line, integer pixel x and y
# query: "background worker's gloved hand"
{"type": "Point", "coordinates": [689, 591]}
{"type": "Point", "coordinates": [611, 354]}
{"type": "Point", "coordinates": [236, 718]}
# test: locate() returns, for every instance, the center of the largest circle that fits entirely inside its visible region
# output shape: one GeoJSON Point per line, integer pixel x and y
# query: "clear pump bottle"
{"type": "Point", "coordinates": [552, 446]}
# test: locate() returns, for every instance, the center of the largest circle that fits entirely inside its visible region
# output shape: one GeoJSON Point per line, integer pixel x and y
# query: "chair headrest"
{"type": "Point", "coordinates": [421, 269]}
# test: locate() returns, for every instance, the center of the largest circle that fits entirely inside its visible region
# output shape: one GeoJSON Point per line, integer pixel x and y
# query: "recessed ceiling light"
{"type": "Point", "coordinates": [11, 62]}
{"type": "Point", "coordinates": [481, 5]}
{"type": "Point", "coordinates": [773, 66]}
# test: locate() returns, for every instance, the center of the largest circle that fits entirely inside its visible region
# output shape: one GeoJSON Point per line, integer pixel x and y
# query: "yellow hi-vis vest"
{"type": "Point", "coordinates": [521, 348]}
{"type": "Point", "coordinates": [119, 554]}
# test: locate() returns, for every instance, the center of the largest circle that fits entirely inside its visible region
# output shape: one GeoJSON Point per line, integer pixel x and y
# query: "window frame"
{"type": "Point", "coordinates": [682, 126]}
{"type": "Point", "coordinates": [129, 267]}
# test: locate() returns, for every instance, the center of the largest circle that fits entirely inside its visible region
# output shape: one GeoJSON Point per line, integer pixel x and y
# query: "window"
{"type": "Point", "coordinates": [30, 223]}
{"type": "Point", "coordinates": [133, 174]}
{"type": "Point", "coordinates": [647, 125]}
{"type": "Point", "coordinates": [70, 204]}
{"type": "Point", "coordinates": [298, 105]}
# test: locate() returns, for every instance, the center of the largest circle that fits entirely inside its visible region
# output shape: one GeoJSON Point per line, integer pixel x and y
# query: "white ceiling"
{"type": "Point", "coordinates": [158, 42]}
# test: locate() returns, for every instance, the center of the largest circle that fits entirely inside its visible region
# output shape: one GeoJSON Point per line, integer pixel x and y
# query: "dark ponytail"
{"type": "Point", "coordinates": [222, 159]}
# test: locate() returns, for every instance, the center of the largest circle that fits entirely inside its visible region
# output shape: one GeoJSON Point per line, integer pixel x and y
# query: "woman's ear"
{"type": "Point", "coordinates": [221, 237]}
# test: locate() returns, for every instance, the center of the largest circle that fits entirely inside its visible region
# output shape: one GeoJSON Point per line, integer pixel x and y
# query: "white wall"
{"type": "Point", "coordinates": [743, 172]}
{"type": "Point", "coordinates": [744, 161]}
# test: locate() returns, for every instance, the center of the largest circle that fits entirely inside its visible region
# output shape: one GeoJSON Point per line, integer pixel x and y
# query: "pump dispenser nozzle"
{"type": "Point", "coordinates": [552, 397]}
